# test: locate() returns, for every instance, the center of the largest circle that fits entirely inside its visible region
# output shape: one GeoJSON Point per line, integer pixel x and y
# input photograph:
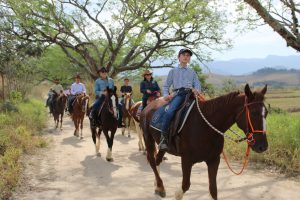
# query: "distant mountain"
{"type": "Point", "coordinates": [247, 66]}
{"type": "Point", "coordinates": [276, 77]}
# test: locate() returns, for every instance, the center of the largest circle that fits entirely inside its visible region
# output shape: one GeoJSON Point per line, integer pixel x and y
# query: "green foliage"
{"type": "Point", "coordinates": [15, 97]}
{"type": "Point", "coordinates": [207, 88]}
{"type": "Point", "coordinates": [228, 86]}
{"type": "Point", "coordinates": [19, 133]}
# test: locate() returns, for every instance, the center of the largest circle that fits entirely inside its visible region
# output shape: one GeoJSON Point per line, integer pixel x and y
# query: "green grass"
{"type": "Point", "coordinates": [284, 144]}
{"type": "Point", "coordinates": [19, 133]}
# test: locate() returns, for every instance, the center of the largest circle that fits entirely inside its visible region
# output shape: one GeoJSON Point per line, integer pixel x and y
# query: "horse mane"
{"type": "Point", "coordinates": [210, 106]}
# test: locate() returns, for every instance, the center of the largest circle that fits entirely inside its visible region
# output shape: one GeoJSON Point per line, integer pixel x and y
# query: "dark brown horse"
{"type": "Point", "coordinates": [108, 118]}
{"type": "Point", "coordinates": [199, 142]}
{"type": "Point", "coordinates": [79, 109]}
{"type": "Point", "coordinates": [59, 105]}
{"type": "Point", "coordinates": [126, 113]}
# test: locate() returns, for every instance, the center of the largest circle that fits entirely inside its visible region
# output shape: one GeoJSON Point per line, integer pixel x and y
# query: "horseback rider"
{"type": "Point", "coordinates": [126, 88]}
{"type": "Point", "coordinates": [182, 79]}
{"type": "Point", "coordinates": [77, 88]}
{"type": "Point", "coordinates": [55, 89]}
{"type": "Point", "coordinates": [101, 85]}
{"type": "Point", "coordinates": [149, 87]}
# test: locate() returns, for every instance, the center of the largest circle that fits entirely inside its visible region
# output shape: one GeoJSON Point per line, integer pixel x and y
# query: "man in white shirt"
{"type": "Point", "coordinates": [76, 89]}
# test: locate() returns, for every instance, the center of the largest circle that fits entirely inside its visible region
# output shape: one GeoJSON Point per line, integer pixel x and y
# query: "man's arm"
{"type": "Point", "coordinates": [143, 88]}
{"type": "Point", "coordinates": [168, 83]}
{"type": "Point", "coordinates": [97, 89]}
{"type": "Point", "coordinates": [73, 89]}
{"type": "Point", "coordinates": [83, 88]}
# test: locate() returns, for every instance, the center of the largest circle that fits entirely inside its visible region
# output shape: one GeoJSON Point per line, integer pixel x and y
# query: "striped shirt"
{"type": "Point", "coordinates": [77, 88]}
{"type": "Point", "coordinates": [181, 77]}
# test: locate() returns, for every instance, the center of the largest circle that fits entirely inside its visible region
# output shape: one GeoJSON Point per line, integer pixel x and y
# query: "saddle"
{"type": "Point", "coordinates": [176, 124]}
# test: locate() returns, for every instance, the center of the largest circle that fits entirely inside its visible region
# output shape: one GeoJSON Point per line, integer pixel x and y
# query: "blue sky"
{"type": "Point", "coordinates": [258, 43]}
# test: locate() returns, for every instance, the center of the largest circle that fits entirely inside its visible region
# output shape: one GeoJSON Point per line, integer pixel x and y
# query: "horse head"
{"type": "Point", "coordinates": [252, 119]}
{"type": "Point", "coordinates": [111, 100]}
{"type": "Point", "coordinates": [127, 100]}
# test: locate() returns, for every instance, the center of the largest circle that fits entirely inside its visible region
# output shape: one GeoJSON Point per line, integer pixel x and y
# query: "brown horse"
{"type": "Point", "coordinates": [133, 112]}
{"type": "Point", "coordinates": [108, 118]}
{"type": "Point", "coordinates": [59, 105]}
{"type": "Point", "coordinates": [79, 109]}
{"type": "Point", "coordinates": [199, 142]}
{"type": "Point", "coordinates": [126, 113]}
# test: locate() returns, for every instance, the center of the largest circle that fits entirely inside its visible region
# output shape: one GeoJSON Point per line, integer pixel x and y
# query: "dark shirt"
{"type": "Point", "coordinates": [149, 85]}
{"type": "Point", "coordinates": [126, 89]}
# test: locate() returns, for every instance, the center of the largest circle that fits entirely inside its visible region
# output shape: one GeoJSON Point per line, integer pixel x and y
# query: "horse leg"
{"type": "Point", "coordinates": [61, 121]}
{"type": "Point", "coordinates": [128, 126]}
{"type": "Point", "coordinates": [109, 150]}
{"type": "Point", "coordinates": [81, 127]}
{"type": "Point", "coordinates": [98, 143]}
{"type": "Point", "coordinates": [186, 166]}
{"type": "Point", "coordinates": [151, 151]}
{"type": "Point", "coordinates": [124, 121]}
{"type": "Point", "coordinates": [213, 166]}
{"type": "Point", "coordinates": [76, 127]}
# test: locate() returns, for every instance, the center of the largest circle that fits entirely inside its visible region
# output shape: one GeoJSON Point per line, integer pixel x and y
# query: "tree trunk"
{"type": "Point", "coordinates": [3, 93]}
{"type": "Point", "coordinates": [290, 39]}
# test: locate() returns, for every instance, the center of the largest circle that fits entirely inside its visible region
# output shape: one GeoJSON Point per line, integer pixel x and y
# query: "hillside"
{"type": "Point", "coordinates": [270, 76]}
{"type": "Point", "coordinates": [247, 66]}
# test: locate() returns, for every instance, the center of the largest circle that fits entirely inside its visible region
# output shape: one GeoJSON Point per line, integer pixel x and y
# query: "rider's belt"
{"type": "Point", "coordinates": [181, 89]}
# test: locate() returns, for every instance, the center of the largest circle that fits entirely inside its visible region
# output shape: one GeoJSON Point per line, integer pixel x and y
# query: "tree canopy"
{"type": "Point", "coordinates": [119, 34]}
{"type": "Point", "coordinates": [282, 16]}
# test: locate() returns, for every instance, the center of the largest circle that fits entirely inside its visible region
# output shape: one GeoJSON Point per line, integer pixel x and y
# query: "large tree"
{"type": "Point", "coordinates": [283, 16]}
{"type": "Point", "coordinates": [120, 34]}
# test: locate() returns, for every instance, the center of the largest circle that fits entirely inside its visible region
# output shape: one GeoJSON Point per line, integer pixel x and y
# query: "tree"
{"type": "Point", "coordinates": [205, 87]}
{"type": "Point", "coordinates": [282, 16]}
{"type": "Point", "coordinates": [120, 34]}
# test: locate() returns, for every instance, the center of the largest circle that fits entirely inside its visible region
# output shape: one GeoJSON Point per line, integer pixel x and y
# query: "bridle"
{"type": "Point", "coordinates": [250, 132]}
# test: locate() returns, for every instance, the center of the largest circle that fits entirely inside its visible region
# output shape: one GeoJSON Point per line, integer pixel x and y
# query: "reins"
{"type": "Point", "coordinates": [249, 138]}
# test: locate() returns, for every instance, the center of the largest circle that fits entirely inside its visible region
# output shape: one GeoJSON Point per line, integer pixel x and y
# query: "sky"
{"type": "Point", "coordinates": [258, 43]}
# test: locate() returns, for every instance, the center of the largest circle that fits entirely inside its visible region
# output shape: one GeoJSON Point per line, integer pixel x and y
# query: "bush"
{"type": "Point", "coordinates": [8, 106]}
{"type": "Point", "coordinates": [19, 133]}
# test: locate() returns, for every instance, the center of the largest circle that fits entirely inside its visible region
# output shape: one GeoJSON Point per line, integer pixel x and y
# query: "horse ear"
{"type": "Point", "coordinates": [248, 92]}
{"type": "Point", "coordinates": [264, 90]}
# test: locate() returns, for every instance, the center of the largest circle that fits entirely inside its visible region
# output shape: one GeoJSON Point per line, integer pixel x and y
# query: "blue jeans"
{"type": "Point", "coordinates": [96, 106]}
{"type": "Point", "coordinates": [71, 99]}
{"type": "Point", "coordinates": [171, 108]}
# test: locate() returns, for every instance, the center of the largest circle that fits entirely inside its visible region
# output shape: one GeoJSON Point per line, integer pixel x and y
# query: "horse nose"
{"type": "Point", "coordinates": [262, 148]}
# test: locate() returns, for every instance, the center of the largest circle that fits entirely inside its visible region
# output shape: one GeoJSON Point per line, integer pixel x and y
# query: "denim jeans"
{"type": "Point", "coordinates": [96, 106]}
{"type": "Point", "coordinates": [71, 99]}
{"type": "Point", "coordinates": [171, 108]}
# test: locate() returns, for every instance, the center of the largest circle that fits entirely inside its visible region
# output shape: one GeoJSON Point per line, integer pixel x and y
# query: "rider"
{"type": "Point", "coordinates": [101, 85]}
{"type": "Point", "coordinates": [126, 88]}
{"type": "Point", "coordinates": [55, 89]}
{"type": "Point", "coordinates": [76, 89]}
{"type": "Point", "coordinates": [181, 78]}
{"type": "Point", "coordinates": [148, 87]}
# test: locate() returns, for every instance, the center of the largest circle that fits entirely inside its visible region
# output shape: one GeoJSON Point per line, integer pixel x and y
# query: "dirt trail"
{"type": "Point", "coordinates": [69, 169]}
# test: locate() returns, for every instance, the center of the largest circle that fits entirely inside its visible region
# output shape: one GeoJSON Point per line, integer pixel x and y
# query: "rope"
{"type": "Point", "coordinates": [245, 162]}
{"type": "Point", "coordinates": [215, 129]}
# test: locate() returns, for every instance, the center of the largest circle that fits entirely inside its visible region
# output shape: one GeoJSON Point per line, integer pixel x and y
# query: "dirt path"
{"type": "Point", "coordinates": [69, 169]}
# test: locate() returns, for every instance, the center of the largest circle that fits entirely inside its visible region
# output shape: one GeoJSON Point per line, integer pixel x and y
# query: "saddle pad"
{"type": "Point", "coordinates": [156, 121]}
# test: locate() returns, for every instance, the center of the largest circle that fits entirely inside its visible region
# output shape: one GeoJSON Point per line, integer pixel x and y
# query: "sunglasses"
{"type": "Point", "coordinates": [148, 74]}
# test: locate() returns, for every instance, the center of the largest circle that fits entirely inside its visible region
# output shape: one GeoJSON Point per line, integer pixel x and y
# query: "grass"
{"type": "Point", "coordinates": [19, 133]}
{"type": "Point", "coordinates": [283, 139]}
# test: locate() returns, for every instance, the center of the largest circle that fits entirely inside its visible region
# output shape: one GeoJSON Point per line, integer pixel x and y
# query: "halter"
{"type": "Point", "coordinates": [249, 134]}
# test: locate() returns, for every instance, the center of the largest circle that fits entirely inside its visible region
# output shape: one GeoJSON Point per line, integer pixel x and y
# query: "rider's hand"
{"type": "Point", "coordinates": [158, 94]}
{"type": "Point", "coordinates": [148, 91]}
{"type": "Point", "coordinates": [168, 98]}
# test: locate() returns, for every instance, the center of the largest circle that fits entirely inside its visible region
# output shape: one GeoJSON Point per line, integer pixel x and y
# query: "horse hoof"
{"type": "Point", "coordinates": [98, 154]}
{"type": "Point", "coordinates": [129, 136]}
{"type": "Point", "coordinates": [122, 133]}
{"type": "Point", "coordinates": [165, 158]}
{"type": "Point", "coordinates": [109, 159]}
{"type": "Point", "coordinates": [81, 137]}
{"type": "Point", "coordinates": [144, 153]}
{"type": "Point", "coordinates": [160, 193]}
